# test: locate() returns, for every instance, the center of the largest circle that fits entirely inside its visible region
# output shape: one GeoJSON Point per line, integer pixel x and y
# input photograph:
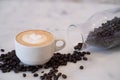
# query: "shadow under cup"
{"type": "Point", "coordinates": [36, 55]}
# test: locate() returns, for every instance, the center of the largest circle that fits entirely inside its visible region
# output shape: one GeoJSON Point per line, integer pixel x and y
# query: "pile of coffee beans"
{"type": "Point", "coordinates": [10, 62]}
{"type": "Point", "coordinates": [62, 59]}
{"type": "Point", "coordinates": [107, 35]}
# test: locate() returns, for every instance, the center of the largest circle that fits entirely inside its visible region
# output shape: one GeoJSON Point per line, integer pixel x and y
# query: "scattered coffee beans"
{"type": "Point", "coordinates": [52, 74]}
{"type": "Point", "coordinates": [10, 62]}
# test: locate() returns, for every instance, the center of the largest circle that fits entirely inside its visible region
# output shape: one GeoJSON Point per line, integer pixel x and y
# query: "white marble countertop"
{"type": "Point", "coordinates": [16, 16]}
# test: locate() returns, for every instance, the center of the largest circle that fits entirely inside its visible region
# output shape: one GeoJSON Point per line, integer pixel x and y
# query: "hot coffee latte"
{"type": "Point", "coordinates": [34, 38]}
{"type": "Point", "coordinates": [34, 47]}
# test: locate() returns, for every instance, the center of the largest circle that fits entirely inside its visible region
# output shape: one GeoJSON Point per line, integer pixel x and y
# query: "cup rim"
{"type": "Point", "coordinates": [38, 45]}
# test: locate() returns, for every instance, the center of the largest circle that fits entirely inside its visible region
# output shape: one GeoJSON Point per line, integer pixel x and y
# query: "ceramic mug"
{"type": "Point", "coordinates": [36, 55]}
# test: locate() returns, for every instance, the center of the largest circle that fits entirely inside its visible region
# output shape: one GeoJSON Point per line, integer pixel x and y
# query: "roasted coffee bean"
{"type": "Point", "coordinates": [55, 77]}
{"type": "Point", "coordinates": [2, 55]}
{"type": "Point", "coordinates": [42, 72]}
{"type": "Point", "coordinates": [35, 75]}
{"type": "Point", "coordinates": [2, 50]}
{"type": "Point", "coordinates": [81, 67]}
{"type": "Point", "coordinates": [64, 76]}
{"type": "Point", "coordinates": [34, 70]}
{"type": "Point", "coordinates": [48, 77]}
{"type": "Point", "coordinates": [59, 74]}
{"type": "Point", "coordinates": [24, 75]}
{"type": "Point", "coordinates": [78, 46]}
{"type": "Point", "coordinates": [3, 70]}
{"type": "Point", "coordinates": [82, 54]}
{"type": "Point", "coordinates": [1, 59]}
{"type": "Point", "coordinates": [8, 70]}
{"type": "Point", "coordinates": [55, 70]}
{"type": "Point", "coordinates": [1, 65]}
{"type": "Point", "coordinates": [85, 58]}
{"type": "Point", "coordinates": [88, 53]}
{"type": "Point", "coordinates": [39, 66]}
{"type": "Point", "coordinates": [42, 77]}
{"type": "Point", "coordinates": [79, 58]}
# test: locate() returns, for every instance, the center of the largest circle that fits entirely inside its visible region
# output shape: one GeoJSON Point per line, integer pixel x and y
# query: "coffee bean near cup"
{"type": "Point", "coordinates": [34, 47]}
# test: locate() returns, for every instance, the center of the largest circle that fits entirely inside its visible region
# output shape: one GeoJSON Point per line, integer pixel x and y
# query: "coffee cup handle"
{"type": "Point", "coordinates": [57, 48]}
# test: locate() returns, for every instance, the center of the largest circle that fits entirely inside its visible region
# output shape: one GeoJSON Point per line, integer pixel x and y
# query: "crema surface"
{"type": "Point", "coordinates": [34, 38]}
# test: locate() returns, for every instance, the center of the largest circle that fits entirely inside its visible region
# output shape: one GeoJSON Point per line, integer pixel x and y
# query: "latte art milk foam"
{"type": "Point", "coordinates": [34, 38]}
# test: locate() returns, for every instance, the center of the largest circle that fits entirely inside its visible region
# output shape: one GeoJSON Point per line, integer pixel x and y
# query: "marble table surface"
{"type": "Point", "coordinates": [16, 16]}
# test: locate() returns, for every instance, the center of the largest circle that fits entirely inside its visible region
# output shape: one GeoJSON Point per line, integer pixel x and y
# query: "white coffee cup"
{"type": "Point", "coordinates": [30, 52]}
